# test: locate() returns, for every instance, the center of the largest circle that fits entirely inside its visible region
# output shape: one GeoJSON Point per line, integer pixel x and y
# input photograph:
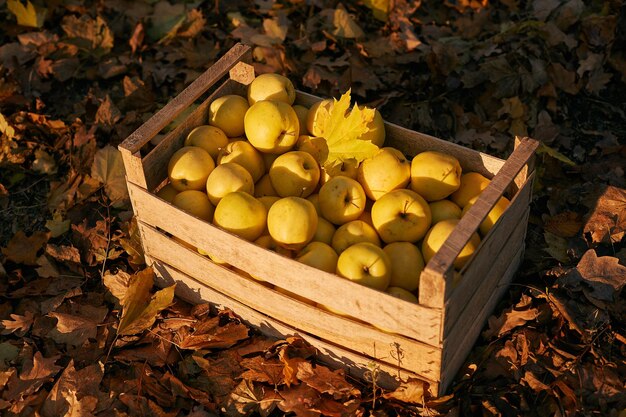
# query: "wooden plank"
{"type": "Point", "coordinates": [456, 351]}
{"type": "Point", "coordinates": [357, 365]}
{"type": "Point", "coordinates": [174, 107]}
{"type": "Point", "coordinates": [436, 276]}
{"type": "Point", "coordinates": [359, 337]}
{"type": "Point", "coordinates": [380, 309]}
{"type": "Point", "coordinates": [133, 167]}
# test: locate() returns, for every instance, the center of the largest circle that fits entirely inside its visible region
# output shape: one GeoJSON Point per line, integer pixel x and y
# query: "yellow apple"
{"type": "Point", "coordinates": [365, 264]}
{"type": "Point", "coordinates": [227, 113]}
{"type": "Point", "coordinates": [227, 178]}
{"type": "Point", "coordinates": [435, 175]}
{"type": "Point", "coordinates": [270, 86]}
{"type": "Point", "coordinates": [243, 153]}
{"type": "Point", "coordinates": [324, 232]}
{"type": "Point", "coordinates": [444, 209]}
{"type": "Point", "coordinates": [210, 138]}
{"type": "Point", "coordinates": [341, 200]}
{"type": "Point", "coordinates": [472, 184]}
{"type": "Point", "coordinates": [268, 200]}
{"type": "Point", "coordinates": [438, 234]}
{"type": "Point", "coordinates": [167, 193]}
{"type": "Point", "coordinates": [303, 113]}
{"type": "Point", "coordinates": [316, 146]}
{"type": "Point", "coordinates": [401, 216]}
{"type": "Point", "coordinates": [346, 168]}
{"type": "Point", "coordinates": [292, 222]}
{"type": "Point", "coordinates": [493, 215]}
{"type": "Point", "coordinates": [402, 294]}
{"type": "Point", "coordinates": [268, 160]}
{"type": "Point", "coordinates": [295, 173]}
{"type": "Point", "coordinates": [189, 167]}
{"type": "Point", "coordinates": [387, 170]}
{"type": "Point", "coordinates": [195, 203]}
{"type": "Point", "coordinates": [376, 132]}
{"type": "Point", "coordinates": [315, 199]}
{"type": "Point", "coordinates": [272, 126]}
{"type": "Point", "coordinates": [318, 114]}
{"type": "Point", "coordinates": [241, 214]}
{"type": "Point", "coordinates": [264, 187]}
{"type": "Point", "coordinates": [318, 255]}
{"type": "Point", "coordinates": [407, 264]}
{"type": "Point", "coordinates": [366, 216]}
{"type": "Point", "coordinates": [353, 232]}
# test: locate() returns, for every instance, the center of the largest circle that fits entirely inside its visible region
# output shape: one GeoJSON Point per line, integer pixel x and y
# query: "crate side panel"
{"type": "Point", "coordinates": [383, 310]}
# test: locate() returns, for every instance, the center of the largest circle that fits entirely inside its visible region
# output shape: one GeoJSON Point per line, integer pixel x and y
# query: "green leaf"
{"type": "Point", "coordinates": [28, 15]}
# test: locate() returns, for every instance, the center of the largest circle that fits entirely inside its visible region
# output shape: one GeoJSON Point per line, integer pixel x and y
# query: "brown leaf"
{"type": "Point", "coordinates": [23, 249]}
{"type": "Point", "coordinates": [259, 369]}
{"type": "Point", "coordinates": [63, 253]}
{"type": "Point", "coordinates": [411, 391]}
{"type": "Point", "coordinates": [324, 380]}
{"type": "Point", "coordinates": [108, 114]}
{"type": "Point", "coordinates": [603, 274]}
{"type": "Point", "coordinates": [607, 220]}
{"type": "Point", "coordinates": [245, 399]}
{"type": "Point", "coordinates": [75, 330]}
{"type": "Point", "coordinates": [564, 79]}
{"type": "Point", "coordinates": [84, 382]}
{"type": "Point", "coordinates": [39, 367]}
{"type": "Point", "coordinates": [533, 382]}
{"type": "Point", "coordinates": [136, 38]}
{"type": "Point", "coordinates": [565, 224]}
{"type": "Point", "coordinates": [210, 335]}
{"type": "Point", "coordinates": [511, 318]}
{"type": "Point", "coordinates": [88, 33]}
{"type": "Point", "coordinates": [299, 400]}
{"type": "Point", "coordinates": [79, 408]}
{"type": "Point", "coordinates": [19, 324]}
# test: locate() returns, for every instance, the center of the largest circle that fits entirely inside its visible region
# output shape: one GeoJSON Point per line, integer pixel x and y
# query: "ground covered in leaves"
{"type": "Point", "coordinates": [77, 77]}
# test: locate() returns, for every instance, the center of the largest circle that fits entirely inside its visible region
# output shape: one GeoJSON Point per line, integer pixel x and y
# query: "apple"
{"type": "Point", "coordinates": [402, 294]}
{"type": "Point", "coordinates": [401, 216]}
{"type": "Point", "coordinates": [318, 255]}
{"type": "Point", "coordinates": [435, 175]}
{"type": "Point", "coordinates": [407, 264]}
{"type": "Point", "coordinates": [271, 86]}
{"type": "Point", "coordinates": [365, 264]}
{"type": "Point", "coordinates": [493, 215]}
{"type": "Point", "coordinates": [268, 200]}
{"type": "Point", "coordinates": [210, 138]}
{"type": "Point", "coordinates": [264, 187]}
{"type": "Point", "coordinates": [267, 242]}
{"type": "Point", "coordinates": [292, 222]}
{"type": "Point", "coordinates": [366, 216]}
{"type": "Point", "coordinates": [241, 214]}
{"type": "Point", "coordinates": [195, 203]}
{"type": "Point", "coordinates": [272, 126]}
{"type": "Point", "coordinates": [302, 112]}
{"type": "Point", "coordinates": [387, 170]}
{"type": "Point", "coordinates": [438, 234]}
{"type": "Point", "coordinates": [318, 114]}
{"type": "Point", "coordinates": [227, 178]}
{"type": "Point", "coordinates": [324, 232]}
{"type": "Point", "coordinates": [243, 153]}
{"type": "Point", "coordinates": [472, 184]}
{"type": "Point", "coordinates": [354, 231]}
{"type": "Point", "coordinates": [346, 168]}
{"type": "Point", "coordinates": [295, 173]}
{"type": "Point", "coordinates": [268, 160]}
{"type": "Point", "coordinates": [315, 199]}
{"type": "Point", "coordinates": [189, 167]}
{"type": "Point", "coordinates": [228, 112]}
{"type": "Point", "coordinates": [316, 146]}
{"type": "Point", "coordinates": [376, 129]}
{"type": "Point", "coordinates": [341, 200]}
{"type": "Point", "coordinates": [167, 193]}
{"type": "Point", "coordinates": [444, 209]}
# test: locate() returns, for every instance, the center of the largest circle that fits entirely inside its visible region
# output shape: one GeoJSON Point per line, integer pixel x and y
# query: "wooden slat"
{"type": "Point", "coordinates": [433, 283]}
{"type": "Point", "coordinates": [359, 337]}
{"type": "Point", "coordinates": [189, 289]}
{"type": "Point", "coordinates": [174, 107]}
{"type": "Point", "coordinates": [133, 167]}
{"type": "Point", "coordinates": [384, 311]}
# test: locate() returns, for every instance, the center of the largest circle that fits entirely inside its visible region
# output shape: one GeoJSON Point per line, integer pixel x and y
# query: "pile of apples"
{"type": "Point", "coordinates": [253, 170]}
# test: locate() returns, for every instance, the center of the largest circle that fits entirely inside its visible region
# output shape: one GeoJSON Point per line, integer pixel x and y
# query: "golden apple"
{"type": "Point", "coordinates": [241, 214]}
{"type": "Point", "coordinates": [407, 264]}
{"type": "Point", "coordinates": [387, 170]}
{"type": "Point", "coordinates": [401, 216]}
{"type": "Point", "coordinates": [243, 153]}
{"type": "Point", "coordinates": [318, 255]}
{"type": "Point", "coordinates": [376, 130]}
{"type": "Point", "coordinates": [264, 187]}
{"type": "Point", "coordinates": [292, 222]}
{"type": "Point", "coordinates": [273, 87]}
{"type": "Point", "coordinates": [346, 168]}
{"type": "Point", "coordinates": [167, 193]}
{"type": "Point", "coordinates": [318, 114]}
{"type": "Point", "coordinates": [438, 234]}
{"type": "Point", "coordinates": [354, 231]}
{"type": "Point", "coordinates": [272, 126]}
{"type": "Point", "coordinates": [493, 215]}
{"type": "Point", "coordinates": [472, 184]}
{"type": "Point", "coordinates": [295, 173]}
{"type": "Point", "coordinates": [315, 199]}
{"type": "Point", "coordinates": [227, 113]}
{"type": "Point", "coordinates": [402, 294]}
{"type": "Point", "coordinates": [195, 203]}
{"type": "Point", "coordinates": [268, 200]}
{"type": "Point", "coordinates": [444, 209]}
{"type": "Point", "coordinates": [366, 216]}
{"type": "Point", "coordinates": [189, 167]}
{"type": "Point", "coordinates": [316, 146]}
{"type": "Point", "coordinates": [227, 178]}
{"type": "Point", "coordinates": [435, 175]}
{"type": "Point", "coordinates": [324, 232]}
{"type": "Point", "coordinates": [365, 264]}
{"type": "Point", "coordinates": [341, 200]}
{"type": "Point", "coordinates": [210, 138]}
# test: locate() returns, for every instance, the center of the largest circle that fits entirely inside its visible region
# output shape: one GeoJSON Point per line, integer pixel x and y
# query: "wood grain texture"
{"type": "Point", "coordinates": [133, 168]}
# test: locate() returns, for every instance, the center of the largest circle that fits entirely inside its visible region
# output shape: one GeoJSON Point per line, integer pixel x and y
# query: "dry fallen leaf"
{"type": "Point", "coordinates": [23, 249]}
{"type": "Point", "coordinates": [18, 324]}
{"type": "Point", "coordinates": [411, 391]}
{"type": "Point", "coordinates": [108, 168]}
{"type": "Point", "coordinates": [603, 274]}
{"type": "Point", "coordinates": [607, 221]}
{"type": "Point", "coordinates": [511, 318]}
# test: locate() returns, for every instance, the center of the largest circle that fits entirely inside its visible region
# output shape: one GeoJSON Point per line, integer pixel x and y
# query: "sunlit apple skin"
{"type": "Point", "coordinates": [268, 200]}
{"type": "Point", "coordinates": [438, 234]}
{"type": "Point", "coordinates": [346, 168]}
{"type": "Point", "coordinates": [189, 167]}
{"type": "Point", "coordinates": [227, 178]}
{"type": "Point", "coordinates": [318, 114]}
{"type": "Point", "coordinates": [444, 209]}
{"type": "Point", "coordinates": [167, 193]}
{"type": "Point", "coordinates": [195, 203]}
{"type": "Point", "coordinates": [324, 232]}
{"type": "Point", "coordinates": [243, 153]}
{"type": "Point", "coordinates": [210, 138]}
{"type": "Point", "coordinates": [353, 232]}
{"type": "Point", "coordinates": [376, 130]}
{"type": "Point", "coordinates": [435, 175]}
{"type": "Point", "coordinates": [292, 222]}
{"type": "Point", "coordinates": [295, 173]}
{"type": "Point", "coordinates": [365, 264]}
{"type": "Point", "coordinates": [318, 255]}
{"type": "Point", "coordinates": [492, 216]}
{"type": "Point", "coordinates": [316, 146]}
{"type": "Point", "coordinates": [272, 126]}
{"type": "Point", "coordinates": [387, 170]}
{"type": "Point", "coordinates": [270, 86]}
{"type": "Point", "coordinates": [264, 187]}
{"type": "Point", "coordinates": [341, 200]}
{"type": "Point", "coordinates": [407, 264]}
{"type": "Point", "coordinates": [402, 294]}
{"type": "Point", "coordinates": [472, 184]}
{"type": "Point", "coordinates": [241, 214]}
{"type": "Point", "coordinates": [228, 112]}
{"type": "Point", "coordinates": [401, 216]}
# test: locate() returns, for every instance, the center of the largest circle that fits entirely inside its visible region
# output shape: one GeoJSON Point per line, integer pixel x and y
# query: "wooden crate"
{"type": "Point", "coordinates": [429, 340]}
